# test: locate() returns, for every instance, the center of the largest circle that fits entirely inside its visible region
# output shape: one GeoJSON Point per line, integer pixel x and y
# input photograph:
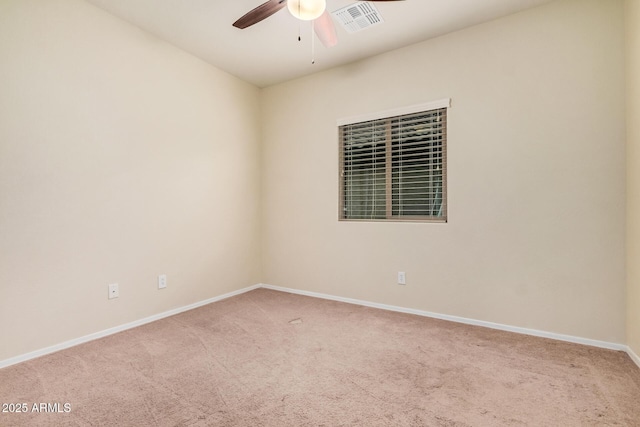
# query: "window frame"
{"type": "Point", "coordinates": [390, 115]}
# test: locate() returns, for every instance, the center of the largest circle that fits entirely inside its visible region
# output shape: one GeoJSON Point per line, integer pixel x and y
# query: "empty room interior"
{"type": "Point", "coordinates": [180, 243]}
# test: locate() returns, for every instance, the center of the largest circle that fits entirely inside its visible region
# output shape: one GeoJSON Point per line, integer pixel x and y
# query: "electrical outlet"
{"type": "Point", "coordinates": [402, 278]}
{"type": "Point", "coordinates": [114, 291]}
{"type": "Point", "coordinates": [162, 281]}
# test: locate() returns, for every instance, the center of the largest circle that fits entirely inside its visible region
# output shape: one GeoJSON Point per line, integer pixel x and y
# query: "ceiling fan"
{"type": "Point", "coordinates": [305, 10]}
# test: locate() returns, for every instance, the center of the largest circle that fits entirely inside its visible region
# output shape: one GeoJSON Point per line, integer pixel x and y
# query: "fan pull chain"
{"type": "Point", "coordinates": [313, 43]}
{"type": "Point", "coordinates": [299, 23]}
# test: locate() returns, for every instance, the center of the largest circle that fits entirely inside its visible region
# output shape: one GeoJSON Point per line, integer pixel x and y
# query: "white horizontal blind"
{"type": "Point", "coordinates": [394, 168]}
{"type": "Point", "coordinates": [364, 170]}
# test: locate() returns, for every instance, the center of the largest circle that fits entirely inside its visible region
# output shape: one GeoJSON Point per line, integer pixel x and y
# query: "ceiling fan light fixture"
{"type": "Point", "coordinates": [306, 10]}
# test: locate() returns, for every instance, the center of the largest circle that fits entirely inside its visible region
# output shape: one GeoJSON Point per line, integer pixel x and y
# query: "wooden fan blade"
{"type": "Point", "coordinates": [325, 30]}
{"type": "Point", "coordinates": [261, 12]}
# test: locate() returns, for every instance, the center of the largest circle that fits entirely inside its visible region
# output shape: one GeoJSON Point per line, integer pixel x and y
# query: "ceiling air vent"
{"type": "Point", "coordinates": [358, 16]}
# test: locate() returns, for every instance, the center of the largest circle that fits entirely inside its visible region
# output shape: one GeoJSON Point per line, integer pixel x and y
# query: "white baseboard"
{"type": "Point", "coordinates": [130, 325]}
{"type": "Point", "coordinates": [525, 331]}
{"type": "Point", "coordinates": [114, 330]}
{"type": "Point", "coordinates": [633, 356]}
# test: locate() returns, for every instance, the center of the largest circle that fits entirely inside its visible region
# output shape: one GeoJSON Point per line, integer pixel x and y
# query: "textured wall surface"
{"type": "Point", "coordinates": [116, 155]}
{"type": "Point", "coordinates": [536, 179]}
{"type": "Point", "coordinates": [632, 25]}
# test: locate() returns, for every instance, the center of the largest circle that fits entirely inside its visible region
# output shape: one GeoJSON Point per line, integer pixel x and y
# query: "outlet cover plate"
{"type": "Point", "coordinates": [402, 278]}
{"type": "Point", "coordinates": [114, 291]}
{"type": "Point", "coordinates": [162, 281]}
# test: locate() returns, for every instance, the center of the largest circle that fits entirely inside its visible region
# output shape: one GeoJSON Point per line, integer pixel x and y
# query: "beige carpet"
{"type": "Point", "coordinates": [267, 358]}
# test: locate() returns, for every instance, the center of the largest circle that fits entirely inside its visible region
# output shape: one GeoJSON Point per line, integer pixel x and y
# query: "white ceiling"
{"type": "Point", "coordinates": [269, 52]}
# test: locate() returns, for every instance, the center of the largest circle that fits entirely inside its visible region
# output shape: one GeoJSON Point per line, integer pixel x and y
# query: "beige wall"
{"type": "Point", "coordinates": [116, 155]}
{"type": "Point", "coordinates": [536, 228]}
{"type": "Point", "coordinates": [632, 15]}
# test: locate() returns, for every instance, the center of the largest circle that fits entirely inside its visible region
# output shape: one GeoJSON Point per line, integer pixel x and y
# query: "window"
{"type": "Point", "coordinates": [394, 168]}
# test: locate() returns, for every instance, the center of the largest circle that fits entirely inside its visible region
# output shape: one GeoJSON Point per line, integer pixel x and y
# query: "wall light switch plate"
{"type": "Point", "coordinates": [114, 291]}
{"type": "Point", "coordinates": [162, 281]}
